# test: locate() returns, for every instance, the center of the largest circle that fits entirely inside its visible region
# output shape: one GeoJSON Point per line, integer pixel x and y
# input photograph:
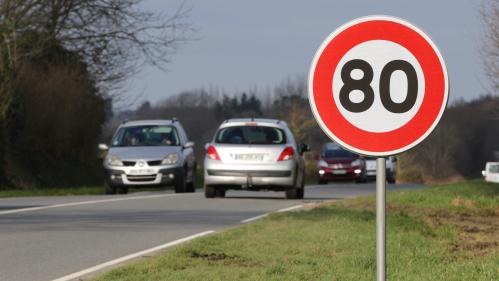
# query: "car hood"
{"type": "Point", "coordinates": [143, 152]}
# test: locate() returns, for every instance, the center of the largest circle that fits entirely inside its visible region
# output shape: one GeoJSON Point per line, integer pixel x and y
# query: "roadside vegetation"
{"type": "Point", "coordinates": [444, 232]}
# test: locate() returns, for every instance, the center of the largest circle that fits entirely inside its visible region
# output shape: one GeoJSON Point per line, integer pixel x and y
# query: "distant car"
{"type": "Point", "coordinates": [391, 168]}
{"type": "Point", "coordinates": [491, 172]}
{"type": "Point", "coordinates": [336, 163]}
{"type": "Point", "coordinates": [254, 154]}
{"type": "Point", "coordinates": [149, 153]}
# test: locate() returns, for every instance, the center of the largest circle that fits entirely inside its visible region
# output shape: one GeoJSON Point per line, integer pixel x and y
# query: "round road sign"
{"type": "Point", "coordinates": [378, 85]}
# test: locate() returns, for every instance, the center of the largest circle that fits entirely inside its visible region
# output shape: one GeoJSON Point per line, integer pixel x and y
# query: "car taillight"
{"type": "Point", "coordinates": [212, 153]}
{"type": "Point", "coordinates": [286, 154]}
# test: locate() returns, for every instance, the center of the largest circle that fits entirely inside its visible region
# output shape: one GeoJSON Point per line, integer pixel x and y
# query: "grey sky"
{"type": "Point", "coordinates": [261, 42]}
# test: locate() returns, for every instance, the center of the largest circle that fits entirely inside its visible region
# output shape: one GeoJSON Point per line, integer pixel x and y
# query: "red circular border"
{"type": "Point", "coordinates": [421, 49]}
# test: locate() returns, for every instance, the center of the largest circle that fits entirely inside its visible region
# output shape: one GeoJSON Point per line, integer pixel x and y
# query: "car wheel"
{"type": "Point", "coordinates": [219, 192]}
{"type": "Point", "coordinates": [292, 193]}
{"type": "Point", "coordinates": [322, 182]}
{"type": "Point", "coordinates": [191, 186]}
{"type": "Point", "coordinates": [180, 185]}
{"type": "Point", "coordinates": [122, 190]}
{"type": "Point", "coordinates": [109, 188]}
{"type": "Point", "coordinates": [209, 192]}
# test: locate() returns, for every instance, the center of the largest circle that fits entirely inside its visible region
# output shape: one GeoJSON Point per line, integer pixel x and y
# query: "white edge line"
{"type": "Point", "coordinates": [15, 211]}
{"type": "Point", "coordinates": [131, 256]}
{"type": "Point", "coordinates": [290, 208]}
{"type": "Point", "coordinates": [278, 211]}
{"type": "Point", "coordinates": [254, 218]}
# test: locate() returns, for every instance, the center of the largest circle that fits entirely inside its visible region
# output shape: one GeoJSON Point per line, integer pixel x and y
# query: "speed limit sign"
{"type": "Point", "coordinates": [378, 85]}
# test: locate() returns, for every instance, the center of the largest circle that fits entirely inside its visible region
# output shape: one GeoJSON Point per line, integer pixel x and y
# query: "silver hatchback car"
{"type": "Point", "coordinates": [254, 154]}
{"type": "Point", "coordinates": [149, 153]}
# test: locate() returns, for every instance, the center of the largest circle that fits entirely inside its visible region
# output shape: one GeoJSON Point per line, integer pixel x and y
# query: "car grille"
{"type": "Point", "coordinates": [129, 163]}
{"type": "Point", "coordinates": [141, 178]}
{"type": "Point", "coordinates": [154, 163]}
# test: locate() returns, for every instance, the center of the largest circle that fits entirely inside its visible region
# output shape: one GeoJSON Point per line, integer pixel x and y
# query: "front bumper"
{"type": "Point", "coordinates": [123, 176]}
{"type": "Point", "coordinates": [351, 173]}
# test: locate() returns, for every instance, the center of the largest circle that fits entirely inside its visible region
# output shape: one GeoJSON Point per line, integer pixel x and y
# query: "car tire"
{"type": "Point", "coordinates": [191, 186]}
{"type": "Point", "coordinates": [209, 192]}
{"type": "Point", "coordinates": [219, 192]}
{"type": "Point", "coordinates": [109, 188]}
{"type": "Point", "coordinates": [180, 185]}
{"type": "Point", "coordinates": [390, 177]}
{"type": "Point", "coordinates": [122, 190]}
{"type": "Point", "coordinates": [321, 182]}
{"type": "Point", "coordinates": [292, 193]}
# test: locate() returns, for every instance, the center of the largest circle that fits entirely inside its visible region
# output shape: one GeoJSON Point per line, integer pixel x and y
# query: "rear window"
{"type": "Point", "coordinates": [250, 135]}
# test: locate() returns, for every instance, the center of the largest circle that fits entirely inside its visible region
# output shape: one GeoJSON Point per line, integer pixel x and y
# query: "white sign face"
{"type": "Point", "coordinates": [378, 86]}
{"type": "Point", "coordinates": [378, 53]}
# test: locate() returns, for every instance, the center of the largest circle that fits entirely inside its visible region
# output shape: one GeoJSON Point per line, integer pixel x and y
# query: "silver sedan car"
{"type": "Point", "coordinates": [254, 154]}
{"type": "Point", "coordinates": [149, 153]}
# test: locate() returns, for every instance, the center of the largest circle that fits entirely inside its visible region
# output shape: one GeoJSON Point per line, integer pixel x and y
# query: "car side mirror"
{"type": "Point", "coordinates": [189, 144]}
{"type": "Point", "coordinates": [303, 148]}
{"type": "Point", "coordinates": [103, 147]}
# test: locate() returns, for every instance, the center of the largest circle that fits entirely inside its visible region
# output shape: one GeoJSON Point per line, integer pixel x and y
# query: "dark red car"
{"type": "Point", "coordinates": [338, 164]}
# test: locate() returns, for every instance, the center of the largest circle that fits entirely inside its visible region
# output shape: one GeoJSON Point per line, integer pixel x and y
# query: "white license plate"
{"type": "Point", "coordinates": [249, 157]}
{"type": "Point", "coordinates": [141, 172]}
{"type": "Point", "coordinates": [339, 172]}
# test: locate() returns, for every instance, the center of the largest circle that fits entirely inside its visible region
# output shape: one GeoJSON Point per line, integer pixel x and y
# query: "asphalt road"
{"type": "Point", "coordinates": [45, 238]}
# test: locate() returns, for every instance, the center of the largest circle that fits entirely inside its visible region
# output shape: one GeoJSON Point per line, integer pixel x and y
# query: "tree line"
{"type": "Point", "coordinates": [467, 136]}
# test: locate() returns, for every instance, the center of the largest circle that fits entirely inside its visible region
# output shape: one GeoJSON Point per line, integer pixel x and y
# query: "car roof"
{"type": "Point", "coordinates": [258, 121]}
{"type": "Point", "coordinates": [149, 122]}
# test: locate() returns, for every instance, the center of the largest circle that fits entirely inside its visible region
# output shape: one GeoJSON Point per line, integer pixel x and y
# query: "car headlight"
{"type": "Point", "coordinates": [170, 159]}
{"type": "Point", "coordinates": [355, 162]}
{"type": "Point", "coordinates": [113, 160]}
{"type": "Point", "coordinates": [322, 163]}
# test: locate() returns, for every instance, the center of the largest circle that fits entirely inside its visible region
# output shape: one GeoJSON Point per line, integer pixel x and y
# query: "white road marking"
{"type": "Point", "coordinates": [278, 211]}
{"type": "Point", "coordinates": [290, 208]}
{"type": "Point", "coordinates": [15, 211]}
{"type": "Point", "coordinates": [254, 218]}
{"type": "Point", "coordinates": [131, 256]}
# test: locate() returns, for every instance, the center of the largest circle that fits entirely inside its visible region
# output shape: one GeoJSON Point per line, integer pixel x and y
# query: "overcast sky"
{"type": "Point", "coordinates": [261, 42]}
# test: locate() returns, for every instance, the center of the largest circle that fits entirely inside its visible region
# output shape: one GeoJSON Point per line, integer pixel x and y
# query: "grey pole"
{"type": "Point", "coordinates": [380, 219]}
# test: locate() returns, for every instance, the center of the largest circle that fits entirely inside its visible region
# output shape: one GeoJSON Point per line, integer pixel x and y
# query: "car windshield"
{"type": "Point", "coordinates": [337, 152]}
{"type": "Point", "coordinates": [146, 135]}
{"type": "Point", "coordinates": [250, 135]}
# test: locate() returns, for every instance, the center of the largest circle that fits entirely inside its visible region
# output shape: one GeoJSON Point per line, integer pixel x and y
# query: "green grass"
{"type": "Point", "coordinates": [427, 240]}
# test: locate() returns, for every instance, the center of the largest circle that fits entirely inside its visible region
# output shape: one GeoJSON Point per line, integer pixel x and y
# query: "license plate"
{"type": "Point", "coordinates": [249, 157]}
{"type": "Point", "coordinates": [339, 172]}
{"type": "Point", "coordinates": [142, 172]}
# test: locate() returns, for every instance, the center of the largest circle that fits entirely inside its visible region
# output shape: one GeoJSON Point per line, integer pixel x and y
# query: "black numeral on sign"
{"type": "Point", "coordinates": [364, 85]}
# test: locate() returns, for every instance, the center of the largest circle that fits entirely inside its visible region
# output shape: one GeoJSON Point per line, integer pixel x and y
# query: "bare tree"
{"type": "Point", "coordinates": [113, 37]}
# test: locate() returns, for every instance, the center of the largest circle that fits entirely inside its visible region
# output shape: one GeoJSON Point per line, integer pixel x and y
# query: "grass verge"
{"type": "Point", "coordinates": [445, 232]}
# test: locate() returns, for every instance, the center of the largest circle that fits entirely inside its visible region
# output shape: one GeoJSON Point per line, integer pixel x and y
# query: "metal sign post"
{"type": "Point", "coordinates": [381, 219]}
